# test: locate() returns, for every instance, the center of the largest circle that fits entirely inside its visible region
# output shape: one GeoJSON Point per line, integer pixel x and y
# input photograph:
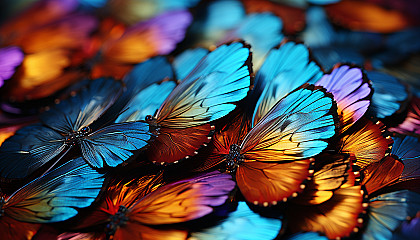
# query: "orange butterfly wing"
{"type": "Point", "coordinates": [266, 183]}
{"type": "Point", "coordinates": [336, 218]}
{"type": "Point", "coordinates": [366, 142]}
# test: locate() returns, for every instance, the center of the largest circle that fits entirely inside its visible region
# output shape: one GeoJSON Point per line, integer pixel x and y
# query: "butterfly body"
{"type": "Point", "coordinates": [234, 158]}
{"type": "Point", "coordinates": [118, 219]}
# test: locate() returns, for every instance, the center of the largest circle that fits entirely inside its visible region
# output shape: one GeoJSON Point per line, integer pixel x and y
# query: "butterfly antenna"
{"type": "Point", "coordinates": [62, 155]}
{"type": "Point", "coordinates": [37, 179]}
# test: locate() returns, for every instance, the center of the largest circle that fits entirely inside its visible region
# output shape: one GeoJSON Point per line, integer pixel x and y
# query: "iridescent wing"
{"type": "Point", "coordinates": [351, 91]}
{"type": "Point", "coordinates": [57, 195]}
{"type": "Point", "coordinates": [241, 224]}
{"type": "Point", "coordinates": [284, 69]}
{"type": "Point", "coordinates": [297, 127]}
{"type": "Point", "coordinates": [29, 149]}
{"type": "Point", "coordinates": [113, 144]}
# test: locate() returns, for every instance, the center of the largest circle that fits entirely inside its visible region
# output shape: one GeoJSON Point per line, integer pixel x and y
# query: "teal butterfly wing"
{"type": "Point", "coordinates": [57, 195]}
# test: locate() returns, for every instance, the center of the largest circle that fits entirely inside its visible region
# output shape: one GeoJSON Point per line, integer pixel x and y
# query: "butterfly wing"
{"type": "Point", "coordinates": [185, 62]}
{"type": "Point", "coordinates": [197, 101]}
{"type": "Point", "coordinates": [262, 31]}
{"type": "Point", "coordinates": [114, 144]}
{"type": "Point", "coordinates": [241, 224]}
{"type": "Point", "coordinates": [139, 231]}
{"type": "Point", "coordinates": [10, 58]}
{"type": "Point", "coordinates": [385, 100]}
{"type": "Point", "coordinates": [284, 69]}
{"type": "Point", "coordinates": [351, 91]}
{"type": "Point", "coordinates": [84, 108]}
{"type": "Point", "coordinates": [56, 195]}
{"type": "Point", "coordinates": [380, 174]}
{"type": "Point", "coordinates": [183, 200]}
{"type": "Point", "coordinates": [297, 127]}
{"type": "Point", "coordinates": [267, 183]}
{"type": "Point", "coordinates": [142, 41]}
{"type": "Point", "coordinates": [13, 229]}
{"type": "Point", "coordinates": [29, 149]}
{"type": "Point", "coordinates": [411, 124]}
{"type": "Point", "coordinates": [388, 211]}
{"type": "Point", "coordinates": [331, 172]}
{"type": "Point", "coordinates": [407, 149]}
{"type": "Point", "coordinates": [335, 218]}
{"type": "Point", "coordinates": [366, 142]}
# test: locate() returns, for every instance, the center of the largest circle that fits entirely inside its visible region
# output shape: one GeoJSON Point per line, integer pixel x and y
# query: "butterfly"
{"type": "Point", "coordinates": [411, 124]}
{"type": "Point", "coordinates": [128, 216]}
{"type": "Point", "coordinates": [75, 122]}
{"type": "Point", "coordinates": [280, 144]}
{"type": "Point", "coordinates": [408, 229]}
{"type": "Point", "coordinates": [206, 94]}
{"type": "Point", "coordinates": [116, 48]}
{"type": "Point", "coordinates": [53, 197]}
{"type": "Point", "coordinates": [241, 224]}
{"type": "Point", "coordinates": [366, 142]}
{"type": "Point", "coordinates": [10, 58]}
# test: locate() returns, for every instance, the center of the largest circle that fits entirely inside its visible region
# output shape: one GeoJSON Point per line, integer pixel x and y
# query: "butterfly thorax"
{"type": "Point", "coordinates": [234, 158]}
{"type": "Point", "coordinates": [117, 220]}
{"type": "Point", "coordinates": [73, 137]}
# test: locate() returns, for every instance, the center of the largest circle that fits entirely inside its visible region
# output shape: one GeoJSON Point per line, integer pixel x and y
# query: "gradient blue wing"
{"type": "Point", "coordinates": [241, 225]}
{"type": "Point", "coordinates": [297, 127]}
{"type": "Point", "coordinates": [285, 69]}
{"type": "Point", "coordinates": [29, 149]}
{"type": "Point", "coordinates": [185, 62]}
{"type": "Point", "coordinates": [146, 102]}
{"type": "Point", "coordinates": [262, 30]}
{"type": "Point", "coordinates": [57, 195]}
{"type": "Point", "coordinates": [114, 144]}
{"type": "Point", "coordinates": [83, 108]}
{"type": "Point", "coordinates": [210, 90]}
{"type": "Point", "coordinates": [389, 97]}
{"type": "Point", "coordinates": [407, 149]}
{"type": "Point", "coordinates": [388, 211]}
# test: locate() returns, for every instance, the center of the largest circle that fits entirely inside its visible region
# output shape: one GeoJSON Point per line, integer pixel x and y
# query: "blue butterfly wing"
{"type": "Point", "coordinates": [262, 31]}
{"type": "Point", "coordinates": [284, 70]}
{"type": "Point", "coordinates": [297, 127]}
{"type": "Point", "coordinates": [114, 144]}
{"type": "Point", "coordinates": [241, 225]}
{"type": "Point", "coordinates": [27, 150]}
{"type": "Point", "coordinates": [209, 91]}
{"type": "Point", "coordinates": [187, 61]}
{"type": "Point", "coordinates": [407, 149]}
{"type": "Point", "coordinates": [57, 195]}
{"type": "Point", "coordinates": [388, 211]}
{"type": "Point", "coordinates": [146, 102]}
{"type": "Point", "coordinates": [147, 86]}
{"type": "Point", "coordinates": [389, 97]}
{"type": "Point", "coordinates": [84, 108]}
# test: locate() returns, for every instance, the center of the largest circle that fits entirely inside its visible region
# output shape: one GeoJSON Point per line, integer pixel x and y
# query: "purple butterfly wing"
{"type": "Point", "coordinates": [10, 58]}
